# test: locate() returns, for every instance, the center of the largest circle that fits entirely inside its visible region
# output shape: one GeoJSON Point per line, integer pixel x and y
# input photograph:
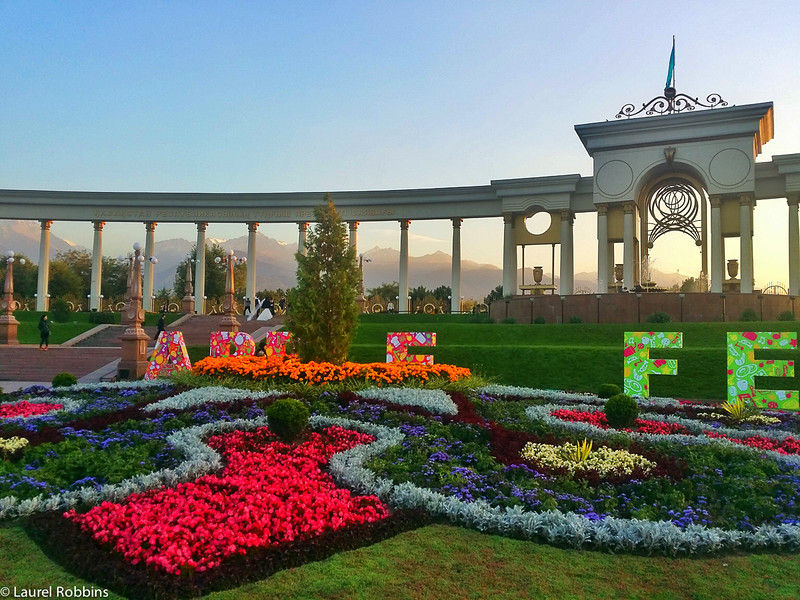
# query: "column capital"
{"type": "Point", "coordinates": [793, 198]}
{"type": "Point", "coordinates": [567, 215]}
{"type": "Point", "coordinates": [508, 219]}
{"type": "Point", "coordinates": [457, 222]}
{"type": "Point", "coordinates": [629, 207]}
{"type": "Point", "coordinates": [602, 210]}
{"type": "Point", "coordinates": [404, 223]}
{"type": "Point", "coordinates": [150, 225]}
{"type": "Point", "coordinates": [46, 224]}
{"type": "Point", "coordinates": [201, 227]}
{"type": "Point", "coordinates": [252, 227]}
{"type": "Point", "coordinates": [98, 225]}
{"type": "Point", "coordinates": [746, 199]}
{"type": "Point", "coordinates": [353, 225]}
{"type": "Point", "coordinates": [715, 200]}
{"type": "Point", "coordinates": [302, 226]}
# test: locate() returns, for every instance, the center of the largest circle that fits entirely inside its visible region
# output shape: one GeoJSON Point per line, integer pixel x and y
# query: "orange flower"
{"type": "Point", "coordinates": [288, 369]}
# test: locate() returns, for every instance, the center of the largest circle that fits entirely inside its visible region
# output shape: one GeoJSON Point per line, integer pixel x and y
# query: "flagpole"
{"type": "Point", "coordinates": [674, 77]}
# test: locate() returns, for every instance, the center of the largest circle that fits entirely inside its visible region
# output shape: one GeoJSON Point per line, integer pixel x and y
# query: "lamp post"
{"type": "Point", "coordinates": [133, 363]}
{"type": "Point", "coordinates": [228, 321]}
{"type": "Point", "coordinates": [8, 324]}
{"type": "Point", "coordinates": [187, 302]}
{"type": "Point", "coordinates": [361, 300]}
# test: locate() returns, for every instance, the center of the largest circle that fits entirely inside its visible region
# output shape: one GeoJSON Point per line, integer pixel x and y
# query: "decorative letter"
{"type": "Point", "coordinates": [744, 367]}
{"type": "Point", "coordinates": [637, 364]}
{"type": "Point", "coordinates": [221, 341]}
{"type": "Point", "coordinates": [276, 343]}
{"type": "Point", "coordinates": [397, 345]}
{"type": "Point", "coordinates": [169, 356]}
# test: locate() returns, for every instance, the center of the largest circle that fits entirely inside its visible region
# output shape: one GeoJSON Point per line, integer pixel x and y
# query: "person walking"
{"type": "Point", "coordinates": [161, 326]}
{"type": "Point", "coordinates": [44, 332]}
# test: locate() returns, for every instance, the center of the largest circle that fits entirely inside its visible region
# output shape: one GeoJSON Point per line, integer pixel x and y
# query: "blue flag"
{"type": "Point", "coordinates": [671, 71]}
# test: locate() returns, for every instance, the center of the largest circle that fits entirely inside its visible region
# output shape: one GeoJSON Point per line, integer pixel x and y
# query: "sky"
{"type": "Point", "coordinates": [222, 96]}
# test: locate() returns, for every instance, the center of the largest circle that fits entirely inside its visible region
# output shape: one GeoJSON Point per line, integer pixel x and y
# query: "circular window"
{"type": "Point", "coordinates": [538, 223]}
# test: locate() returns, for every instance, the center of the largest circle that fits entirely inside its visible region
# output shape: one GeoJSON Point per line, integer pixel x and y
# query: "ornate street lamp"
{"type": "Point", "coordinates": [133, 363]}
{"type": "Point", "coordinates": [228, 321]}
{"type": "Point", "coordinates": [8, 324]}
{"type": "Point", "coordinates": [187, 303]}
{"type": "Point", "coordinates": [361, 300]}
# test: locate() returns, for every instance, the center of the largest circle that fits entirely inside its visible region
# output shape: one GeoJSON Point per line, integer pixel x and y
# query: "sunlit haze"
{"type": "Point", "coordinates": [328, 96]}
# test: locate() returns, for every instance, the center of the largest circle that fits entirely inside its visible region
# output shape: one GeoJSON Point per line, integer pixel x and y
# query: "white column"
{"type": "Point", "coordinates": [200, 270]}
{"type": "Point", "coordinates": [567, 283]}
{"type": "Point", "coordinates": [746, 243]}
{"type": "Point", "coordinates": [509, 257]}
{"type": "Point", "coordinates": [402, 301]}
{"type": "Point", "coordinates": [147, 279]}
{"type": "Point", "coordinates": [610, 277]}
{"type": "Point", "coordinates": [627, 238]}
{"type": "Point", "coordinates": [302, 228]}
{"type": "Point", "coordinates": [455, 269]}
{"type": "Point", "coordinates": [602, 248]}
{"type": "Point", "coordinates": [42, 301]}
{"type": "Point", "coordinates": [353, 226]}
{"type": "Point", "coordinates": [250, 287]}
{"type": "Point", "coordinates": [794, 245]}
{"type": "Point", "coordinates": [717, 247]}
{"type": "Point", "coordinates": [97, 266]}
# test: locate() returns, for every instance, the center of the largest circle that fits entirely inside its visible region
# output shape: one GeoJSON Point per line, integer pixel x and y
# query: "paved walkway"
{"type": "Point", "coordinates": [93, 356]}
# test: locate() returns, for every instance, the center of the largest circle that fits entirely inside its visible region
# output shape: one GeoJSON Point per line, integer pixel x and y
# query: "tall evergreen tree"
{"type": "Point", "coordinates": [323, 313]}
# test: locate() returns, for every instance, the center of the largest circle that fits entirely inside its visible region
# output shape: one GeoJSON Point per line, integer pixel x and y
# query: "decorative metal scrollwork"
{"type": "Point", "coordinates": [670, 102]}
{"type": "Point", "coordinates": [674, 206]}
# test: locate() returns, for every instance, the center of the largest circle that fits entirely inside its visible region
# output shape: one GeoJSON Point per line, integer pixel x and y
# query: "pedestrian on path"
{"type": "Point", "coordinates": [44, 332]}
{"type": "Point", "coordinates": [161, 326]}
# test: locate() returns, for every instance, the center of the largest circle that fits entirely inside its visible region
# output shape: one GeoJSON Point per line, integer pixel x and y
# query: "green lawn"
{"type": "Point", "coordinates": [576, 357]}
{"type": "Point", "coordinates": [446, 562]}
{"type": "Point", "coordinates": [78, 323]}
{"type": "Point", "coordinates": [441, 562]}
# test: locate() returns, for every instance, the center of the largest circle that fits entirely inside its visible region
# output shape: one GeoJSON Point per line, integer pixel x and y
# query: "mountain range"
{"type": "Point", "coordinates": [275, 263]}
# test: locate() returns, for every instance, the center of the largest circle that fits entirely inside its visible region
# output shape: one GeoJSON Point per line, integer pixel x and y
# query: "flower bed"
{"type": "Point", "coordinates": [269, 493]}
{"type": "Point", "coordinates": [502, 460]}
{"type": "Point", "coordinates": [289, 369]}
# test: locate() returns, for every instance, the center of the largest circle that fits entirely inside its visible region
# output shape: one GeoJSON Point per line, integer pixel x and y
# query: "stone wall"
{"type": "Point", "coordinates": [635, 308]}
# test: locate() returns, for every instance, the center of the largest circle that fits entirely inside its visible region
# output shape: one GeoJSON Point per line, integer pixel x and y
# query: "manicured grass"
{"type": "Point", "coordinates": [446, 562]}
{"type": "Point", "coordinates": [78, 323]}
{"type": "Point", "coordinates": [577, 357]}
{"type": "Point", "coordinates": [443, 562]}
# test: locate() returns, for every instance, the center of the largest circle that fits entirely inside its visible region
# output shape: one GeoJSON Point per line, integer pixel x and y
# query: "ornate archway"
{"type": "Point", "coordinates": [673, 202]}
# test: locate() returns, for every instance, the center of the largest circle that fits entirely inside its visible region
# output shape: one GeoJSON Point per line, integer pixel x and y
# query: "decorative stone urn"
{"type": "Point", "coordinates": [538, 273]}
{"type": "Point", "coordinates": [618, 272]}
{"type": "Point", "coordinates": [733, 267]}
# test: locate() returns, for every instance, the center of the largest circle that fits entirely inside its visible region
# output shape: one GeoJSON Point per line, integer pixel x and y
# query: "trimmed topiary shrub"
{"type": "Point", "coordinates": [100, 318]}
{"type": "Point", "coordinates": [539, 321]}
{"type": "Point", "coordinates": [786, 315]}
{"type": "Point", "coordinates": [659, 317]}
{"type": "Point", "coordinates": [621, 411]}
{"type": "Point", "coordinates": [575, 319]}
{"type": "Point", "coordinates": [607, 390]}
{"type": "Point", "coordinates": [287, 417]}
{"type": "Point", "coordinates": [480, 319]}
{"type": "Point", "coordinates": [60, 310]}
{"type": "Point", "coordinates": [748, 314]}
{"type": "Point", "coordinates": [64, 380]}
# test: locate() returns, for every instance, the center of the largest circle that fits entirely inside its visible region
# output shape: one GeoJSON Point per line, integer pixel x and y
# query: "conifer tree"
{"type": "Point", "coordinates": [323, 313]}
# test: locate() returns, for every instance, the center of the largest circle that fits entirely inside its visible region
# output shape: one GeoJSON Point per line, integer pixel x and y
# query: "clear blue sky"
{"type": "Point", "coordinates": [322, 96]}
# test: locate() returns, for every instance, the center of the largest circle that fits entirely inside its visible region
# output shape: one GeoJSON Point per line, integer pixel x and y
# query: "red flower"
{"type": "Point", "coordinates": [26, 409]}
{"type": "Point", "coordinates": [270, 493]}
